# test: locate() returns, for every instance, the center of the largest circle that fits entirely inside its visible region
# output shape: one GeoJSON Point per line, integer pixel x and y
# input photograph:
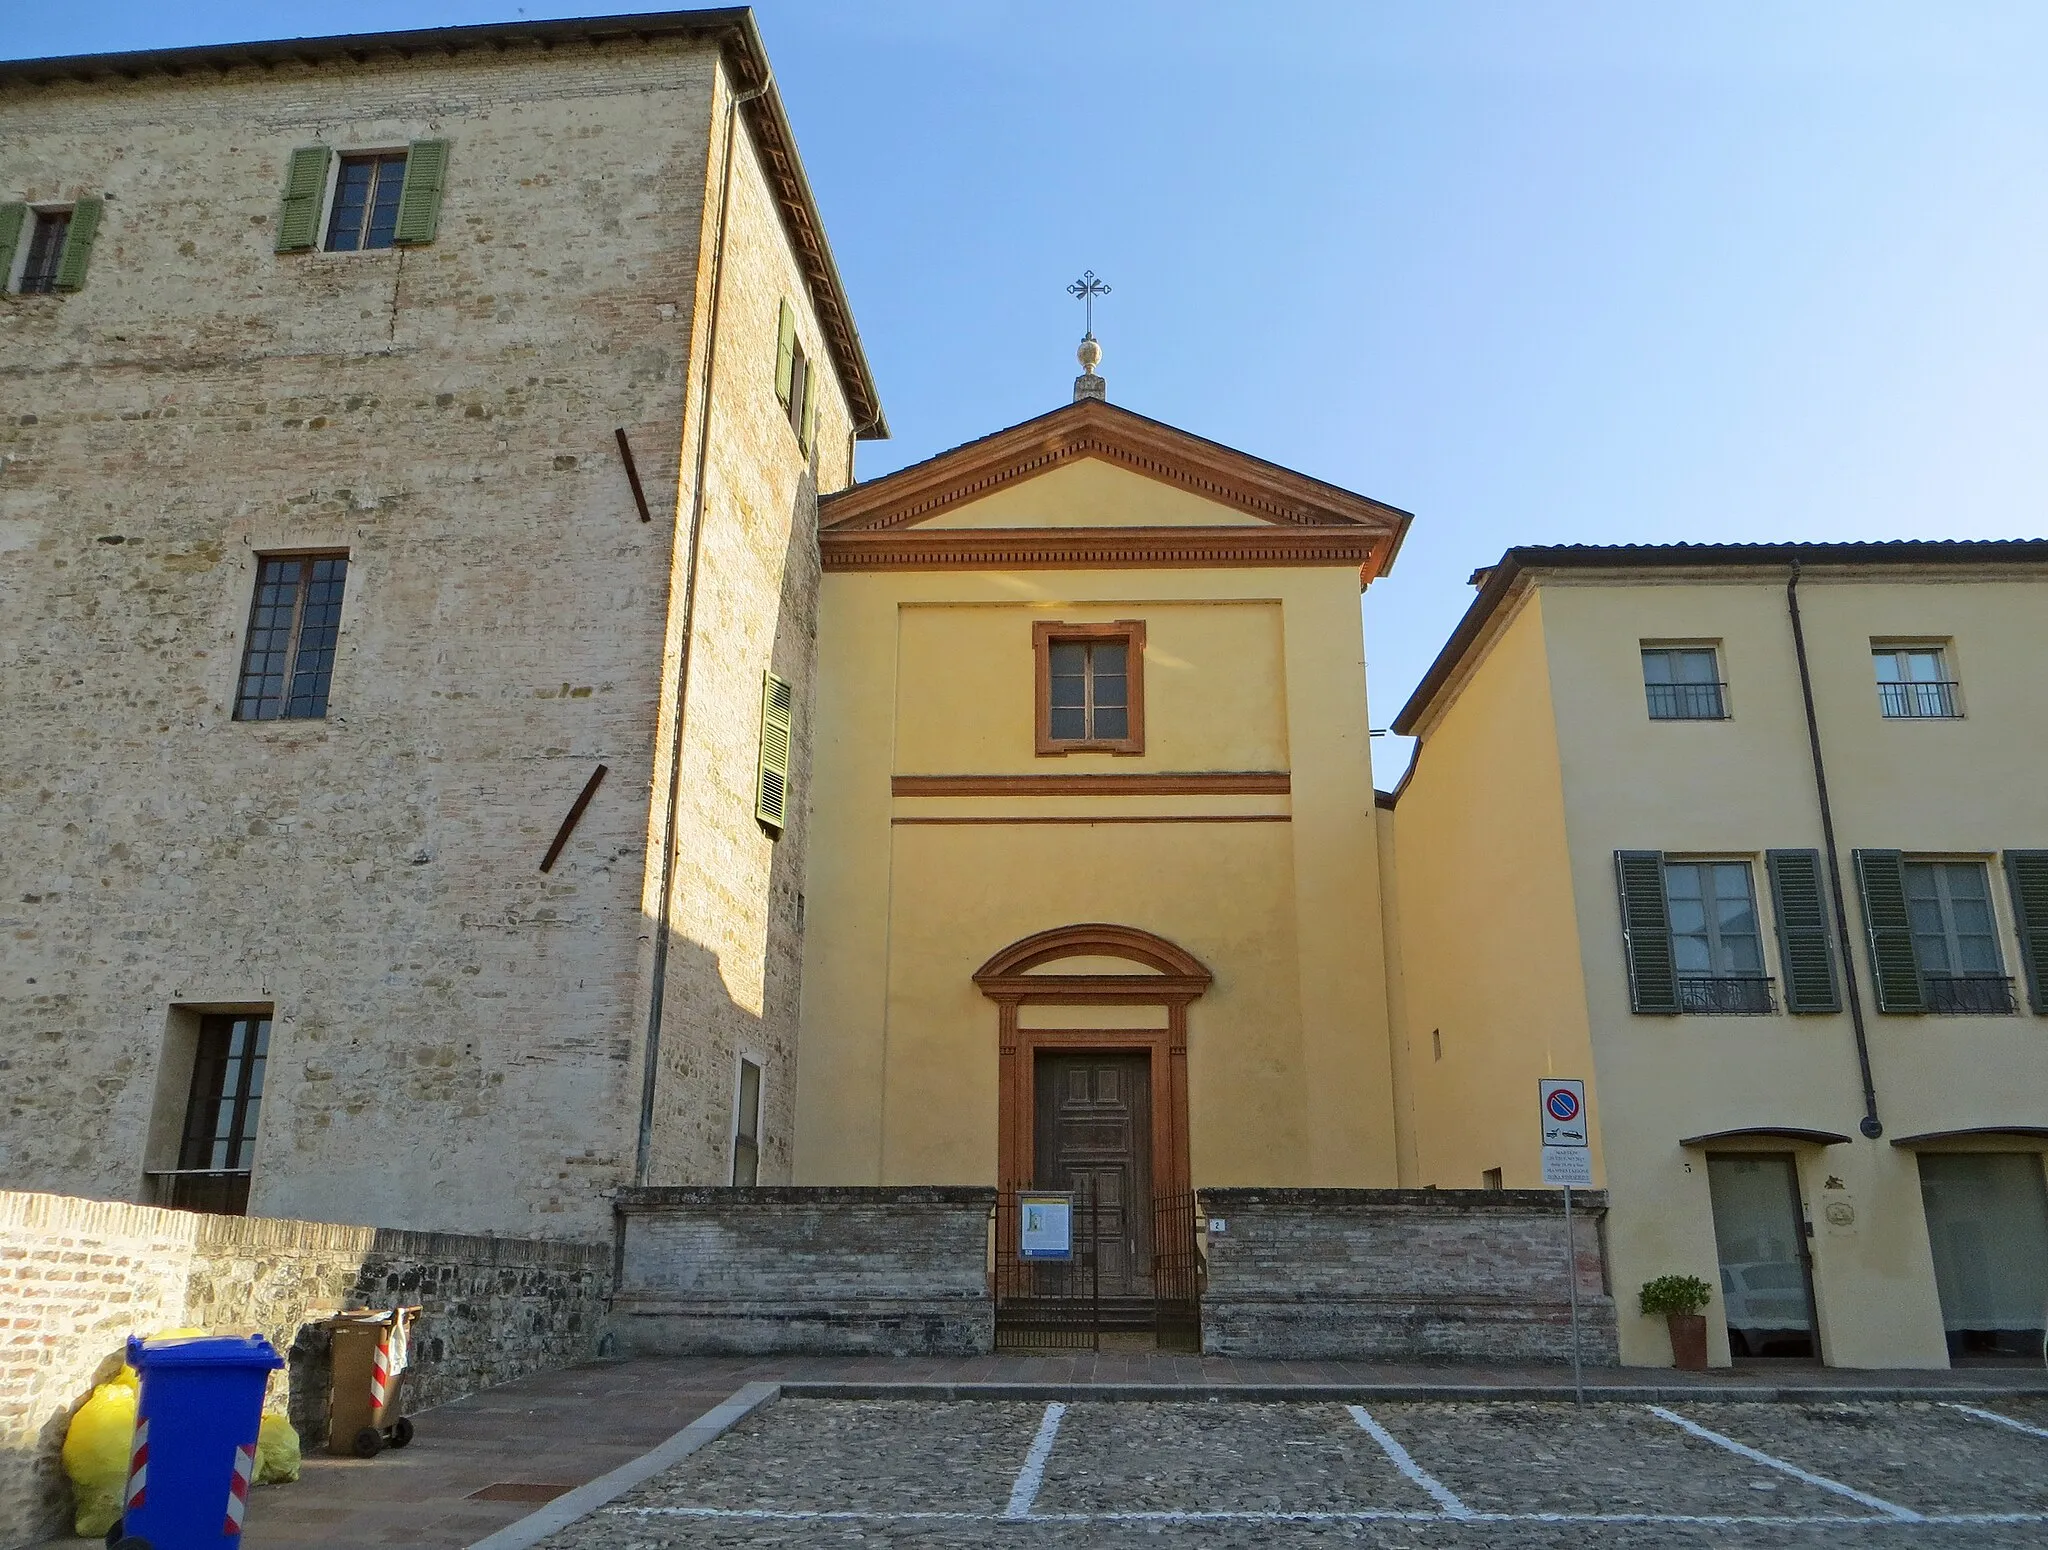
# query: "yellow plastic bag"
{"type": "Point", "coordinates": [277, 1452]}
{"type": "Point", "coordinates": [96, 1452]}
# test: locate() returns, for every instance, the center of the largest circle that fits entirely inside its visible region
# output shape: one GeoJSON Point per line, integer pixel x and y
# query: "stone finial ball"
{"type": "Point", "coordinates": [1089, 355]}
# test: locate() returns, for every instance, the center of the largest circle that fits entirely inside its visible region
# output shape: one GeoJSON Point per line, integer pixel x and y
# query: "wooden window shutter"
{"type": "Point", "coordinates": [78, 240]}
{"type": "Point", "coordinates": [771, 785]}
{"type": "Point", "coordinates": [1800, 904]}
{"type": "Point", "coordinates": [809, 433]}
{"type": "Point", "coordinates": [785, 353]}
{"type": "Point", "coordinates": [2027, 871]}
{"type": "Point", "coordinates": [419, 197]}
{"type": "Point", "coordinates": [305, 183]}
{"type": "Point", "coordinates": [1894, 965]}
{"type": "Point", "coordinates": [1646, 931]}
{"type": "Point", "coordinates": [13, 221]}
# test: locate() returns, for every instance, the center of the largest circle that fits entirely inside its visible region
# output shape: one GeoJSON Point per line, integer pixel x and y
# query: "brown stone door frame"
{"type": "Point", "coordinates": [1167, 976]}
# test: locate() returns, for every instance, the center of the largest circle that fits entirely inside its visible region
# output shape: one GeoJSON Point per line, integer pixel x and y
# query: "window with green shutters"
{"type": "Point", "coordinates": [1646, 931]}
{"type": "Point", "coordinates": [1894, 968]}
{"type": "Point", "coordinates": [771, 781]}
{"type": "Point", "coordinates": [2026, 871]}
{"type": "Point", "coordinates": [54, 247]}
{"type": "Point", "coordinates": [371, 199]}
{"type": "Point", "coordinates": [796, 380]}
{"type": "Point", "coordinates": [1799, 902]}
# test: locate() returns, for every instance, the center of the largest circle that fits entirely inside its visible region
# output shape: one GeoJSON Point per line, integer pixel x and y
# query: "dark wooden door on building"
{"type": "Point", "coordinates": [1094, 1137]}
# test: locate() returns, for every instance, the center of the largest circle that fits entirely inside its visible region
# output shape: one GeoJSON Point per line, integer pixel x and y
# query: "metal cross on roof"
{"type": "Point", "coordinates": [1087, 288]}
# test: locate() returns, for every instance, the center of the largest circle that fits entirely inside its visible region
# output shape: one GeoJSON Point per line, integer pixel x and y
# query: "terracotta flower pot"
{"type": "Point", "coordinates": [1688, 1340]}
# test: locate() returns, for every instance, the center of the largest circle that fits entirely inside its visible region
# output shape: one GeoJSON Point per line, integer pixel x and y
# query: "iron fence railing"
{"type": "Point", "coordinates": [1729, 993]}
{"type": "Point", "coordinates": [1177, 1272]}
{"type": "Point", "coordinates": [1687, 702]}
{"type": "Point", "coordinates": [221, 1191]}
{"type": "Point", "coordinates": [1968, 992]}
{"type": "Point", "coordinates": [1045, 1304]}
{"type": "Point", "coordinates": [1910, 701]}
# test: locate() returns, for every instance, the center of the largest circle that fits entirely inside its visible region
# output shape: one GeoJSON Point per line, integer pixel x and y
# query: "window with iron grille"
{"type": "Point", "coordinates": [218, 1149]}
{"type": "Point", "coordinates": [746, 1141]}
{"type": "Point", "coordinates": [365, 210]}
{"type": "Point", "coordinates": [1716, 940]}
{"type": "Point", "coordinates": [45, 251]}
{"type": "Point", "coordinates": [294, 626]}
{"type": "Point", "coordinates": [1955, 937]}
{"type": "Point", "coordinates": [1091, 687]}
{"type": "Point", "coordinates": [1914, 683]}
{"type": "Point", "coordinates": [1683, 683]}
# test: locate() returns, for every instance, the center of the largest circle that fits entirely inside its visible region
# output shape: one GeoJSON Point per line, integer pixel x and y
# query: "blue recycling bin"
{"type": "Point", "coordinates": [195, 1439]}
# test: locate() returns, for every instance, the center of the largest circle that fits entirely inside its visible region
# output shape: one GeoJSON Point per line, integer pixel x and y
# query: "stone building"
{"type": "Point", "coordinates": [407, 579]}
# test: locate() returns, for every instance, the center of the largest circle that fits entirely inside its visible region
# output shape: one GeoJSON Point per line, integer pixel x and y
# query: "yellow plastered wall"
{"type": "Point", "coordinates": [1259, 669]}
{"type": "Point", "coordinates": [1544, 762]}
{"type": "Point", "coordinates": [1737, 788]}
{"type": "Point", "coordinates": [1489, 952]}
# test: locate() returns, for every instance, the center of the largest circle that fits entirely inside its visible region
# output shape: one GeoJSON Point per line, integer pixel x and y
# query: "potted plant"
{"type": "Point", "coordinates": [1680, 1299]}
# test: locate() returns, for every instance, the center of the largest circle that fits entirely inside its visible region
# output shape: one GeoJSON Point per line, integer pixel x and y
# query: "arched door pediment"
{"type": "Point", "coordinates": [1093, 962]}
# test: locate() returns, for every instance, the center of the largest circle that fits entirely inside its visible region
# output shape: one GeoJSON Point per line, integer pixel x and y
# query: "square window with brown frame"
{"type": "Point", "coordinates": [1090, 687]}
{"type": "Point", "coordinates": [294, 628]}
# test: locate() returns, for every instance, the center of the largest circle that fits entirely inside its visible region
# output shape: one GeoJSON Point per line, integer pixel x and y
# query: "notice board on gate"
{"type": "Point", "coordinates": [1045, 1224]}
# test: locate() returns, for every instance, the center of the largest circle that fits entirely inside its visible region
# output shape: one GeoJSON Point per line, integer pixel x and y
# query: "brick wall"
{"type": "Point", "coordinates": [1404, 1275]}
{"type": "Point", "coordinates": [77, 1277]}
{"type": "Point", "coordinates": [889, 1271]}
{"type": "Point", "coordinates": [457, 1036]}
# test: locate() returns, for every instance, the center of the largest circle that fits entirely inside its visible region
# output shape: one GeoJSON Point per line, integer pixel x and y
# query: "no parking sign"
{"type": "Point", "coordinates": [1566, 1159]}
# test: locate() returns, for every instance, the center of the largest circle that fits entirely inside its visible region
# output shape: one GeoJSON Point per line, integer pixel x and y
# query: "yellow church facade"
{"type": "Point", "coordinates": [1101, 896]}
{"type": "Point", "coordinates": [1093, 897]}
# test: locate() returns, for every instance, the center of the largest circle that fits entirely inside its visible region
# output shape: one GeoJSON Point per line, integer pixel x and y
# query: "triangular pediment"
{"type": "Point", "coordinates": [1093, 481]}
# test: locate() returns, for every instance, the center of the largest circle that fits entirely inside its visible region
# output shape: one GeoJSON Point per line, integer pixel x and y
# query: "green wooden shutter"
{"type": "Point", "coordinates": [78, 239]}
{"type": "Point", "coordinates": [771, 785]}
{"type": "Point", "coordinates": [419, 198]}
{"type": "Point", "coordinates": [1801, 908]}
{"type": "Point", "coordinates": [785, 353]}
{"type": "Point", "coordinates": [305, 185]}
{"type": "Point", "coordinates": [13, 220]}
{"type": "Point", "coordinates": [809, 433]}
{"type": "Point", "coordinates": [2027, 871]}
{"type": "Point", "coordinates": [1894, 966]}
{"type": "Point", "coordinates": [1646, 931]}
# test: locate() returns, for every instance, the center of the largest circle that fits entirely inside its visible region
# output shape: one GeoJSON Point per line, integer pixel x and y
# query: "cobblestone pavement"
{"type": "Point", "coordinates": [935, 1475]}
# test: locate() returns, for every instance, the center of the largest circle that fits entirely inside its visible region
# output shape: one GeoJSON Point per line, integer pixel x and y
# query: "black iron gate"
{"type": "Point", "coordinates": [1059, 1304]}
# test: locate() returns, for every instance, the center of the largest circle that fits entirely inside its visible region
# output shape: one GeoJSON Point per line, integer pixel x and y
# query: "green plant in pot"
{"type": "Point", "coordinates": [1681, 1300]}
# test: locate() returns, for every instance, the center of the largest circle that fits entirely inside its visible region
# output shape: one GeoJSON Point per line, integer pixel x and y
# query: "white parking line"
{"type": "Point", "coordinates": [1355, 1515]}
{"type": "Point", "coordinates": [1442, 1493]}
{"type": "Point", "coordinates": [1032, 1475]}
{"type": "Point", "coordinates": [2002, 1420]}
{"type": "Point", "coordinates": [1755, 1455]}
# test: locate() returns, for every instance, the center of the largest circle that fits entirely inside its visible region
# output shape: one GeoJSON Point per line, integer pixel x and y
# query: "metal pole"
{"type": "Point", "coordinates": [1571, 1281]}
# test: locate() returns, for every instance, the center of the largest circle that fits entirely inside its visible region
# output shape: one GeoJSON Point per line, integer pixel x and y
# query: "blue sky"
{"type": "Point", "coordinates": [1537, 272]}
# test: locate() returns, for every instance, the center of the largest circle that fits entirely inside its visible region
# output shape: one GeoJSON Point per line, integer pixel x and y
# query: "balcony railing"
{"type": "Point", "coordinates": [1990, 993]}
{"type": "Point", "coordinates": [1687, 702]}
{"type": "Point", "coordinates": [221, 1191]}
{"type": "Point", "coordinates": [1726, 993]}
{"type": "Point", "coordinates": [1918, 701]}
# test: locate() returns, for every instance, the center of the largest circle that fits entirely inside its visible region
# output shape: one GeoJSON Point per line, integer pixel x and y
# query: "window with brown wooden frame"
{"type": "Point", "coordinates": [1090, 687]}
{"type": "Point", "coordinates": [294, 630]}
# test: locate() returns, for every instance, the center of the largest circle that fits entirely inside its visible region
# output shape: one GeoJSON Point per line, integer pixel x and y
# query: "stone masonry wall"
{"type": "Point", "coordinates": [77, 1277]}
{"type": "Point", "coordinates": [889, 1271]}
{"type": "Point", "coordinates": [457, 1036]}
{"type": "Point", "coordinates": [1404, 1275]}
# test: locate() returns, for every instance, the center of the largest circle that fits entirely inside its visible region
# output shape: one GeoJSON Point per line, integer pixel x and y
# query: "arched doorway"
{"type": "Point", "coordinates": [1093, 1093]}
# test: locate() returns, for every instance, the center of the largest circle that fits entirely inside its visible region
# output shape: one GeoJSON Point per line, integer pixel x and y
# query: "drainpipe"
{"type": "Point", "coordinates": [650, 1062]}
{"type": "Point", "coordinates": [1872, 1126]}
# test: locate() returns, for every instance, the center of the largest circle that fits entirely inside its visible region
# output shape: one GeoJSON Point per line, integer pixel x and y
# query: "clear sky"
{"type": "Point", "coordinates": [1539, 272]}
